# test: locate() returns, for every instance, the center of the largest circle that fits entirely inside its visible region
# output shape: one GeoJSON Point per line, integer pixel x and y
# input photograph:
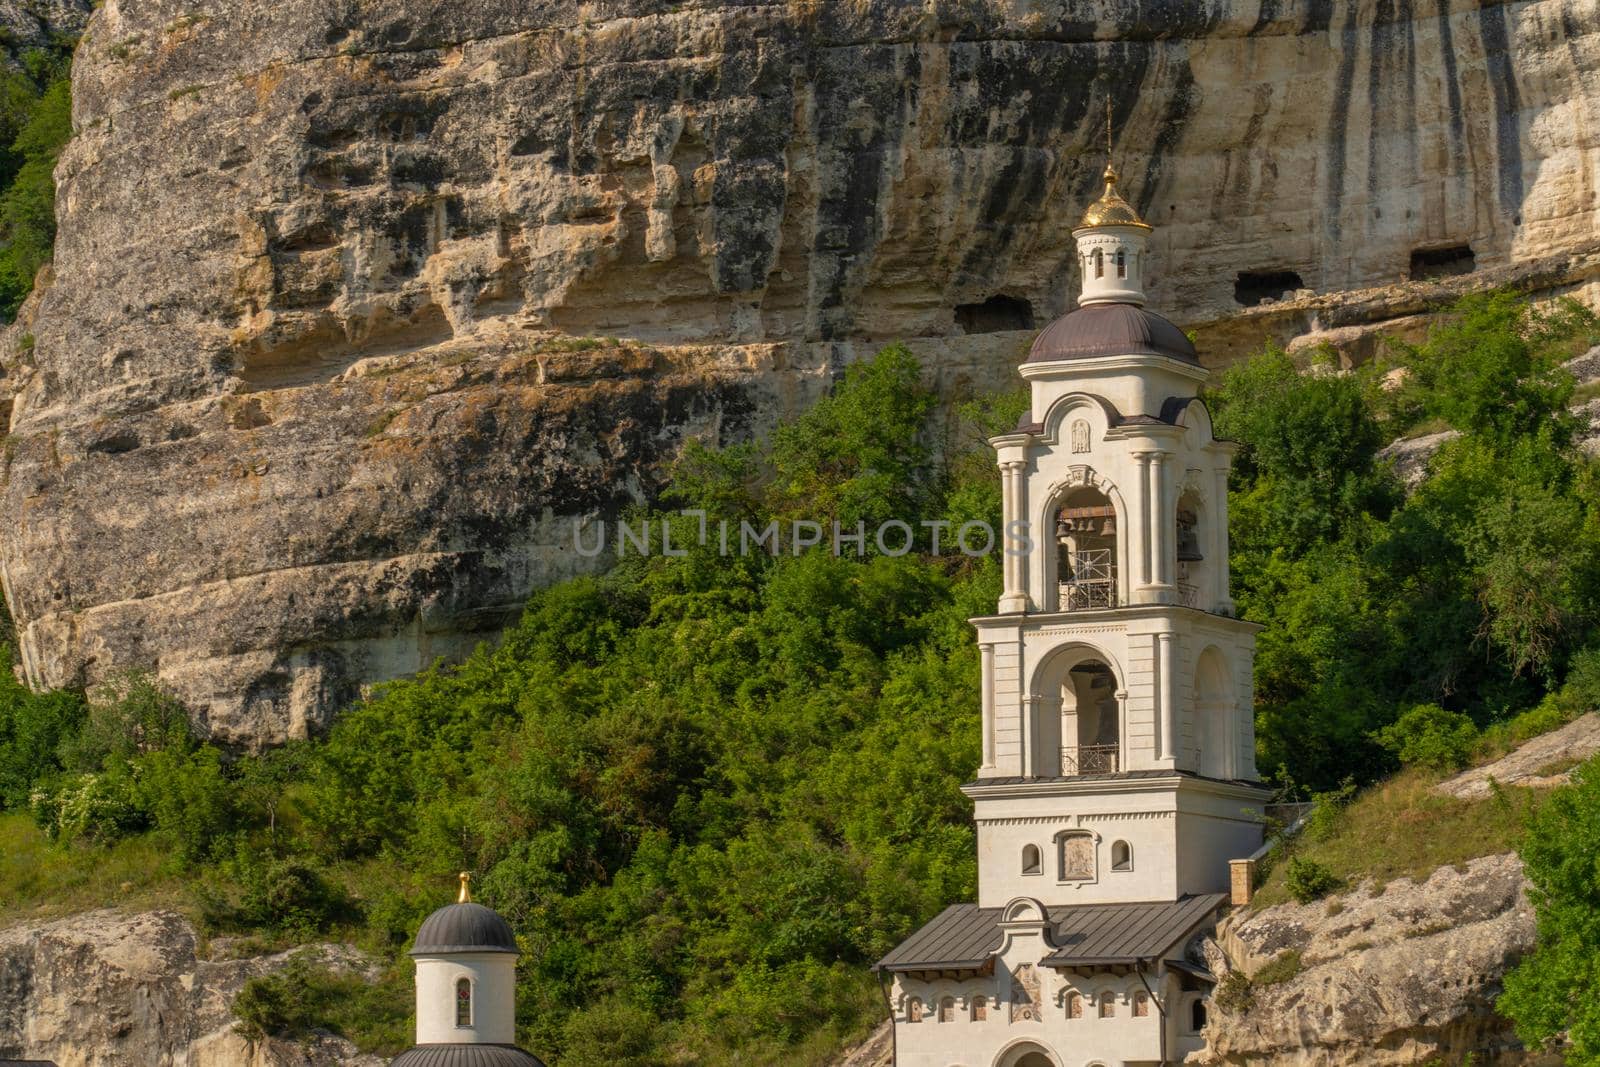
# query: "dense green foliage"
{"type": "Point", "coordinates": [307, 996]}
{"type": "Point", "coordinates": [1475, 593]}
{"type": "Point", "coordinates": [710, 790]}
{"type": "Point", "coordinates": [35, 124]}
{"type": "Point", "coordinates": [1551, 994]}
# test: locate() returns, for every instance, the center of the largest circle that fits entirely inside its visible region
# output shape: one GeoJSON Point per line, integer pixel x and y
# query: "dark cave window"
{"type": "Point", "coordinates": [1252, 287]}
{"type": "Point", "coordinates": [1442, 262]}
{"type": "Point", "coordinates": [995, 315]}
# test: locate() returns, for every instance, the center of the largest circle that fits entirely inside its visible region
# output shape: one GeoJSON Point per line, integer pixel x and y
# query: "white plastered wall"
{"type": "Point", "coordinates": [494, 982]}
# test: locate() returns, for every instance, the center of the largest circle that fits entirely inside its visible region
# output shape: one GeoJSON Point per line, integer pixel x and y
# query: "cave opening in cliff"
{"type": "Point", "coordinates": [1254, 287]}
{"type": "Point", "coordinates": [1442, 262]}
{"type": "Point", "coordinates": [995, 315]}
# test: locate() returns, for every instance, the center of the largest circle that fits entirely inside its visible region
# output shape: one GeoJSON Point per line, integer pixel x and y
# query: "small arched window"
{"type": "Point", "coordinates": [1122, 263]}
{"type": "Point", "coordinates": [1032, 862]}
{"type": "Point", "coordinates": [1099, 263]}
{"type": "Point", "coordinates": [1074, 1005]}
{"type": "Point", "coordinates": [947, 1010]}
{"type": "Point", "coordinates": [1141, 1005]}
{"type": "Point", "coordinates": [1121, 856]}
{"type": "Point", "coordinates": [1197, 1016]}
{"type": "Point", "coordinates": [1108, 1005]}
{"type": "Point", "coordinates": [980, 1009]}
{"type": "Point", "coordinates": [463, 1002]}
{"type": "Point", "coordinates": [914, 1010]}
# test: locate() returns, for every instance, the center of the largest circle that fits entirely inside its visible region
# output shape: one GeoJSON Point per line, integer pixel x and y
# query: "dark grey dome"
{"type": "Point", "coordinates": [465, 1056]}
{"type": "Point", "coordinates": [464, 928]}
{"type": "Point", "coordinates": [1111, 330]}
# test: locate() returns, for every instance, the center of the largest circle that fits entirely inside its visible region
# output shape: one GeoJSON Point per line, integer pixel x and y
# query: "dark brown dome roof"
{"type": "Point", "coordinates": [464, 1055]}
{"type": "Point", "coordinates": [1111, 330]}
{"type": "Point", "coordinates": [464, 928]}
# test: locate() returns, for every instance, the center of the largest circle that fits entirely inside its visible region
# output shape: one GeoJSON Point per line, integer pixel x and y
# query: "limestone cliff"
{"type": "Point", "coordinates": [300, 410]}
{"type": "Point", "coordinates": [110, 990]}
{"type": "Point", "coordinates": [1401, 974]}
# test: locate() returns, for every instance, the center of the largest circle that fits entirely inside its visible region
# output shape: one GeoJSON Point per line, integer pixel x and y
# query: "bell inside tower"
{"type": "Point", "coordinates": [1086, 551]}
{"type": "Point", "coordinates": [1192, 564]}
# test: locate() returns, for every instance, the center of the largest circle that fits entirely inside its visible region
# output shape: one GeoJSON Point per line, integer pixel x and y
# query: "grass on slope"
{"type": "Point", "coordinates": [42, 880]}
{"type": "Point", "coordinates": [1401, 828]}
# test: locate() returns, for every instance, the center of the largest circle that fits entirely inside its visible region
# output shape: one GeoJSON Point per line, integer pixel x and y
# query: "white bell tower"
{"type": "Point", "coordinates": [1118, 773]}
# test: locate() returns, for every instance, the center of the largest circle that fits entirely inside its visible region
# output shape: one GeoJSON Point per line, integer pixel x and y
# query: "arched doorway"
{"type": "Point", "coordinates": [1214, 709]}
{"type": "Point", "coordinates": [1026, 1054]}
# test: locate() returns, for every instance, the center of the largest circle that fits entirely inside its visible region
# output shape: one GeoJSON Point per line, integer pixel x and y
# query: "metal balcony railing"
{"type": "Point", "coordinates": [1091, 581]}
{"type": "Point", "coordinates": [1088, 759]}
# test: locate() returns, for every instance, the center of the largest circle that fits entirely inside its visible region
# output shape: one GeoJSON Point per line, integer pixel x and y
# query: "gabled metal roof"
{"type": "Point", "coordinates": [965, 936]}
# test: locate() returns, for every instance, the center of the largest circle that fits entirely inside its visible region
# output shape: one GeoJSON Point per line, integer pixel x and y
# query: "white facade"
{"type": "Point", "coordinates": [1118, 746]}
{"type": "Point", "coordinates": [490, 1012]}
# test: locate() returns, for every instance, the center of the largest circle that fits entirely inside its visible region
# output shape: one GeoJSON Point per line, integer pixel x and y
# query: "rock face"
{"type": "Point", "coordinates": [1408, 975]}
{"type": "Point", "coordinates": [109, 990]}
{"type": "Point", "coordinates": [1544, 762]}
{"type": "Point", "coordinates": [26, 24]}
{"type": "Point", "coordinates": [301, 407]}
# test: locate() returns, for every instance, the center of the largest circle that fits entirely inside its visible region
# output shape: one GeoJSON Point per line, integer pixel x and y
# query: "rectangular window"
{"type": "Point", "coordinates": [463, 1002]}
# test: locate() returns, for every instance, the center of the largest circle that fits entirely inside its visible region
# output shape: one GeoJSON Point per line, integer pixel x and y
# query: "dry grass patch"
{"type": "Point", "coordinates": [1400, 828]}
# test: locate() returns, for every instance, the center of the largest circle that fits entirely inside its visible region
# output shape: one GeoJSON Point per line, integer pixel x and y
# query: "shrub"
{"type": "Point", "coordinates": [189, 801]}
{"type": "Point", "coordinates": [1544, 994]}
{"type": "Point", "coordinates": [1309, 880]}
{"type": "Point", "coordinates": [1328, 811]}
{"type": "Point", "coordinates": [33, 729]}
{"type": "Point", "coordinates": [306, 996]}
{"type": "Point", "coordinates": [1281, 968]}
{"type": "Point", "coordinates": [611, 1033]}
{"type": "Point", "coordinates": [287, 896]}
{"type": "Point", "coordinates": [1429, 736]}
{"type": "Point", "coordinates": [1234, 994]}
{"type": "Point", "coordinates": [98, 808]}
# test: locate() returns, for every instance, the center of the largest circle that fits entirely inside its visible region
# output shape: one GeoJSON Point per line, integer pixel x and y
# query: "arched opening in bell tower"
{"type": "Point", "coordinates": [1086, 551]}
{"type": "Point", "coordinates": [1090, 720]}
{"type": "Point", "coordinates": [1213, 716]}
{"type": "Point", "coordinates": [1194, 568]}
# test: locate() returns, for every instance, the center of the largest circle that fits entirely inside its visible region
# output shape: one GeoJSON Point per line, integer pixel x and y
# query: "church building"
{"type": "Point", "coordinates": [466, 957]}
{"type": "Point", "coordinates": [1118, 776]}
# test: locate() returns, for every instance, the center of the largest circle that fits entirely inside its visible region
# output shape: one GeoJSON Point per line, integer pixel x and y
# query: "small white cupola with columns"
{"type": "Point", "coordinates": [1111, 249]}
{"type": "Point", "coordinates": [466, 957]}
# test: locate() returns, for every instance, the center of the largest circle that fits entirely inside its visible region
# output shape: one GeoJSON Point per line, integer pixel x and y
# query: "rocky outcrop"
{"type": "Point", "coordinates": [1409, 456]}
{"type": "Point", "coordinates": [1401, 974]}
{"type": "Point", "coordinates": [109, 990]}
{"type": "Point", "coordinates": [300, 408]}
{"type": "Point", "coordinates": [1544, 762]}
{"type": "Point", "coordinates": [46, 24]}
{"type": "Point", "coordinates": [877, 1050]}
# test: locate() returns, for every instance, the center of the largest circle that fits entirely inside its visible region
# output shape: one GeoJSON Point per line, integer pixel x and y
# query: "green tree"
{"type": "Point", "coordinates": [1550, 993]}
{"type": "Point", "coordinates": [35, 124]}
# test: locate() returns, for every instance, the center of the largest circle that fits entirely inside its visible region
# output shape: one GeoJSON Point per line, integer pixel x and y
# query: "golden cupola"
{"type": "Point", "coordinates": [1111, 249]}
{"type": "Point", "coordinates": [1111, 209]}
